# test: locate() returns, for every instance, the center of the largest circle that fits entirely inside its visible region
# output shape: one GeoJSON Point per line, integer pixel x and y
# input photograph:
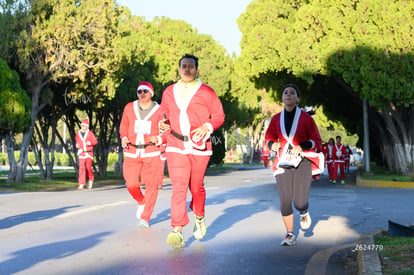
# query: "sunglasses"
{"type": "Point", "coordinates": [145, 91]}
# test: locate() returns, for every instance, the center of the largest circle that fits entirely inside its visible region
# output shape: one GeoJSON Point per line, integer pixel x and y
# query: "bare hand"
{"type": "Point", "coordinates": [125, 142]}
{"type": "Point", "coordinates": [164, 126]}
{"type": "Point", "coordinates": [77, 146]}
{"type": "Point", "coordinates": [199, 133]}
{"type": "Point", "coordinates": [275, 146]}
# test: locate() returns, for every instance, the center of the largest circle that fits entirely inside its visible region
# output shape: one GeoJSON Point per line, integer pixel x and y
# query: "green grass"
{"type": "Point", "coordinates": [396, 254]}
{"type": "Point", "coordinates": [381, 173]}
{"type": "Point", "coordinates": [62, 180]}
{"type": "Point", "coordinates": [66, 179]}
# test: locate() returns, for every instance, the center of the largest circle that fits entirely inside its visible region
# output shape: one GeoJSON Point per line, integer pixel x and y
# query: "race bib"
{"type": "Point", "coordinates": [338, 154]}
{"type": "Point", "coordinates": [289, 160]}
{"type": "Point", "coordinates": [142, 127]}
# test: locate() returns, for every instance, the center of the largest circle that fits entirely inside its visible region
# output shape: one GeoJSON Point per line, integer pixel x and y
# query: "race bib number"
{"type": "Point", "coordinates": [142, 127]}
{"type": "Point", "coordinates": [338, 154]}
{"type": "Point", "coordinates": [290, 160]}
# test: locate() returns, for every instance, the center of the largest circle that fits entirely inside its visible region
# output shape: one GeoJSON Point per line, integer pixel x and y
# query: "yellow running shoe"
{"type": "Point", "coordinates": [175, 239]}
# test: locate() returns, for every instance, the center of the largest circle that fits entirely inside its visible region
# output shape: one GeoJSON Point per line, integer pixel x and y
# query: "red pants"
{"type": "Point", "coordinates": [161, 173]}
{"type": "Point", "coordinates": [341, 170]}
{"type": "Point", "coordinates": [186, 172]}
{"type": "Point", "coordinates": [330, 168]}
{"type": "Point", "coordinates": [82, 163]}
{"type": "Point", "coordinates": [265, 161]}
{"type": "Point", "coordinates": [148, 169]}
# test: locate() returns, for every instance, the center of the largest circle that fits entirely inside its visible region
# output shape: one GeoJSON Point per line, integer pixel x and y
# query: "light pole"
{"type": "Point", "coordinates": [367, 160]}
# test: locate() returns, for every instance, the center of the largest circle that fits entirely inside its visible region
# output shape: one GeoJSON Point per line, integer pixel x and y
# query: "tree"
{"type": "Point", "coordinates": [14, 110]}
{"type": "Point", "coordinates": [364, 49]}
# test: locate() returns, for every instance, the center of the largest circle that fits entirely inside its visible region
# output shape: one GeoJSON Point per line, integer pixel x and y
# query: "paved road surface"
{"type": "Point", "coordinates": [95, 231]}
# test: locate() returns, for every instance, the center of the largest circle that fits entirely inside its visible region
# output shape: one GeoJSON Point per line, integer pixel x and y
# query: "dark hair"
{"type": "Point", "coordinates": [294, 87]}
{"type": "Point", "coordinates": [195, 58]}
{"type": "Point", "coordinates": [338, 137]}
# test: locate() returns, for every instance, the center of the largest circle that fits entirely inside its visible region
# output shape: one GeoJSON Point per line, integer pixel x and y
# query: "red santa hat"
{"type": "Point", "coordinates": [146, 85]}
{"type": "Point", "coordinates": [85, 122]}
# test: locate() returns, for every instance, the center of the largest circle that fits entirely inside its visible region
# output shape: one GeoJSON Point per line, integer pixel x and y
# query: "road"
{"type": "Point", "coordinates": [95, 231]}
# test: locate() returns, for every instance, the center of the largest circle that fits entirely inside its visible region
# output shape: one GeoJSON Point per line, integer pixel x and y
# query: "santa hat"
{"type": "Point", "coordinates": [146, 85]}
{"type": "Point", "coordinates": [85, 122]}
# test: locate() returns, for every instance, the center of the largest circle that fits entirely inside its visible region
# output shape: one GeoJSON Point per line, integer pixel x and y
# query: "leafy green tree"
{"type": "Point", "coordinates": [352, 50]}
{"type": "Point", "coordinates": [14, 110]}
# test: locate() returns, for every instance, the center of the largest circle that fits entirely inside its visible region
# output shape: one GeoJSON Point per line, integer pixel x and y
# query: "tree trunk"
{"type": "Point", "coordinates": [12, 160]}
{"type": "Point", "coordinates": [395, 138]}
{"type": "Point", "coordinates": [35, 90]}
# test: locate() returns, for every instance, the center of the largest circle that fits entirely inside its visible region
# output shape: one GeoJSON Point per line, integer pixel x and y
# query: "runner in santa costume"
{"type": "Point", "coordinates": [85, 140]}
{"type": "Point", "coordinates": [347, 157]}
{"type": "Point", "coordinates": [264, 155]}
{"type": "Point", "coordinates": [140, 139]}
{"type": "Point", "coordinates": [293, 135]}
{"type": "Point", "coordinates": [338, 154]}
{"type": "Point", "coordinates": [327, 151]}
{"type": "Point", "coordinates": [193, 111]}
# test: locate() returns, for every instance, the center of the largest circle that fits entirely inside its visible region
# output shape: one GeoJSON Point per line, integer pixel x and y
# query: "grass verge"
{"type": "Point", "coordinates": [396, 254]}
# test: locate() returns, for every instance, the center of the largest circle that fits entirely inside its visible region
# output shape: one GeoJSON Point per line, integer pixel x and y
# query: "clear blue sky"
{"type": "Point", "coordinates": [214, 17]}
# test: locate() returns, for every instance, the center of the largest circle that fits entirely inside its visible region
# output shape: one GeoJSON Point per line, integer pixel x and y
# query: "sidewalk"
{"type": "Point", "coordinates": [348, 259]}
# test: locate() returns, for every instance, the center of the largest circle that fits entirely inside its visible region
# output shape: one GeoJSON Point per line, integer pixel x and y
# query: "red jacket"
{"type": "Point", "coordinates": [303, 129]}
{"type": "Point", "coordinates": [138, 129]}
{"type": "Point", "coordinates": [202, 106]}
{"type": "Point", "coordinates": [85, 151]}
{"type": "Point", "coordinates": [339, 153]}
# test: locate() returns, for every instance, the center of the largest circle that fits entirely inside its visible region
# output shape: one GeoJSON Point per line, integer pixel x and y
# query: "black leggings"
{"type": "Point", "coordinates": [294, 185]}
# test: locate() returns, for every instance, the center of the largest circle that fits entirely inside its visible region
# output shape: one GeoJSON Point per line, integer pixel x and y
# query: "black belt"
{"type": "Point", "coordinates": [180, 137]}
{"type": "Point", "coordinates": [141, 146]}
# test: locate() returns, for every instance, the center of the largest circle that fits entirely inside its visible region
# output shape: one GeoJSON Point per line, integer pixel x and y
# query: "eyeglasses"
{"type": "Point", "coordinates": [145, 91]}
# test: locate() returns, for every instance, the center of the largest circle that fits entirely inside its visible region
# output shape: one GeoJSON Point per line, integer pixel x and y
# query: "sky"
{"type": "Point", "coordinates": [214, 17]}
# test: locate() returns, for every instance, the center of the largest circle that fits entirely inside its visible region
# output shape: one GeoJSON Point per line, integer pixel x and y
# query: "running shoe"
{"type": "Point", "coordinates": [288, 240]}
{"type": "Point", "coordinates": [175, 239]}
{"type": "Point", "coordinates": [143, 224]}
{"type": "Point", "coordinates": [80, 187]}
{"type": "Point", "coordinates": [342, 182]}
{"type": "Point", "coordinates": [89, 184]}
{"type": "Point", "coordinates": [334, 181]}
{"type": "Point", "coordinates": [305, 221]}
{"type": "Point", "coordinates": [140, 210]}
{"type": "Point", "coordinates": [200, 229]}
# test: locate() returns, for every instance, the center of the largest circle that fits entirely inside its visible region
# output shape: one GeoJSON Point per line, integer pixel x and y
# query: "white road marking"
{"type": "Point", "coordinates": [93, 208]}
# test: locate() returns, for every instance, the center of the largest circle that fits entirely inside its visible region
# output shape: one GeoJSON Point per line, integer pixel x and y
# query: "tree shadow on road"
{"type": "Point", "coordinates": [26, 258]}
{"type": "Point", "coordinates": [33, 216]}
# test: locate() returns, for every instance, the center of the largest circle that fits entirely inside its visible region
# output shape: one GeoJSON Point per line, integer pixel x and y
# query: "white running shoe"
{"type": "Point", "coordinates": [89, 184]}
{"type": "Point", "coordinates": [288, 240]}
{"type": "Point", "coordinates": [140, 210]}
{"type": "Point", "coordinates": [143, 224]}
{"type": "Point", "coordinates": [80, 187]}
{"type": "Point", "coordinates": [305, 221]}
{"type": "Point", "coordinates": [200, 229]}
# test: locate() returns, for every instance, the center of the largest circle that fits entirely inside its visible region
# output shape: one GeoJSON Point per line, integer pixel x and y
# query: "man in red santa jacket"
{"type": "Point", "coordinates": [85, 140]}
{"type": "Point", "coordinates": [193, 111]}
{"type": "Point", "coordinates": [338, 154]}
{"type": "Point", "coordinates": [140, 139]}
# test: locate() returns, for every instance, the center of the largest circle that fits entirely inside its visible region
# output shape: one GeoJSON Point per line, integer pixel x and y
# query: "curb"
{"type": "Point", "coordinates": [368, 259]}
{"type": "Point", "coordinates": [381, 183]}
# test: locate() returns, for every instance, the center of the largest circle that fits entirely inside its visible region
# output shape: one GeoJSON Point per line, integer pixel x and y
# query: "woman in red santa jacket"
{"type": "Point", "coordinates": [140, 139]}
{"type": "Point", "coordinates": [293, 135]}
{"type": "Point", "coordinates": [327, 150]}
{"type": "Point", "coordinates": [193, 112]}
{"type": "Point", "coordinates": [85, 140]}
